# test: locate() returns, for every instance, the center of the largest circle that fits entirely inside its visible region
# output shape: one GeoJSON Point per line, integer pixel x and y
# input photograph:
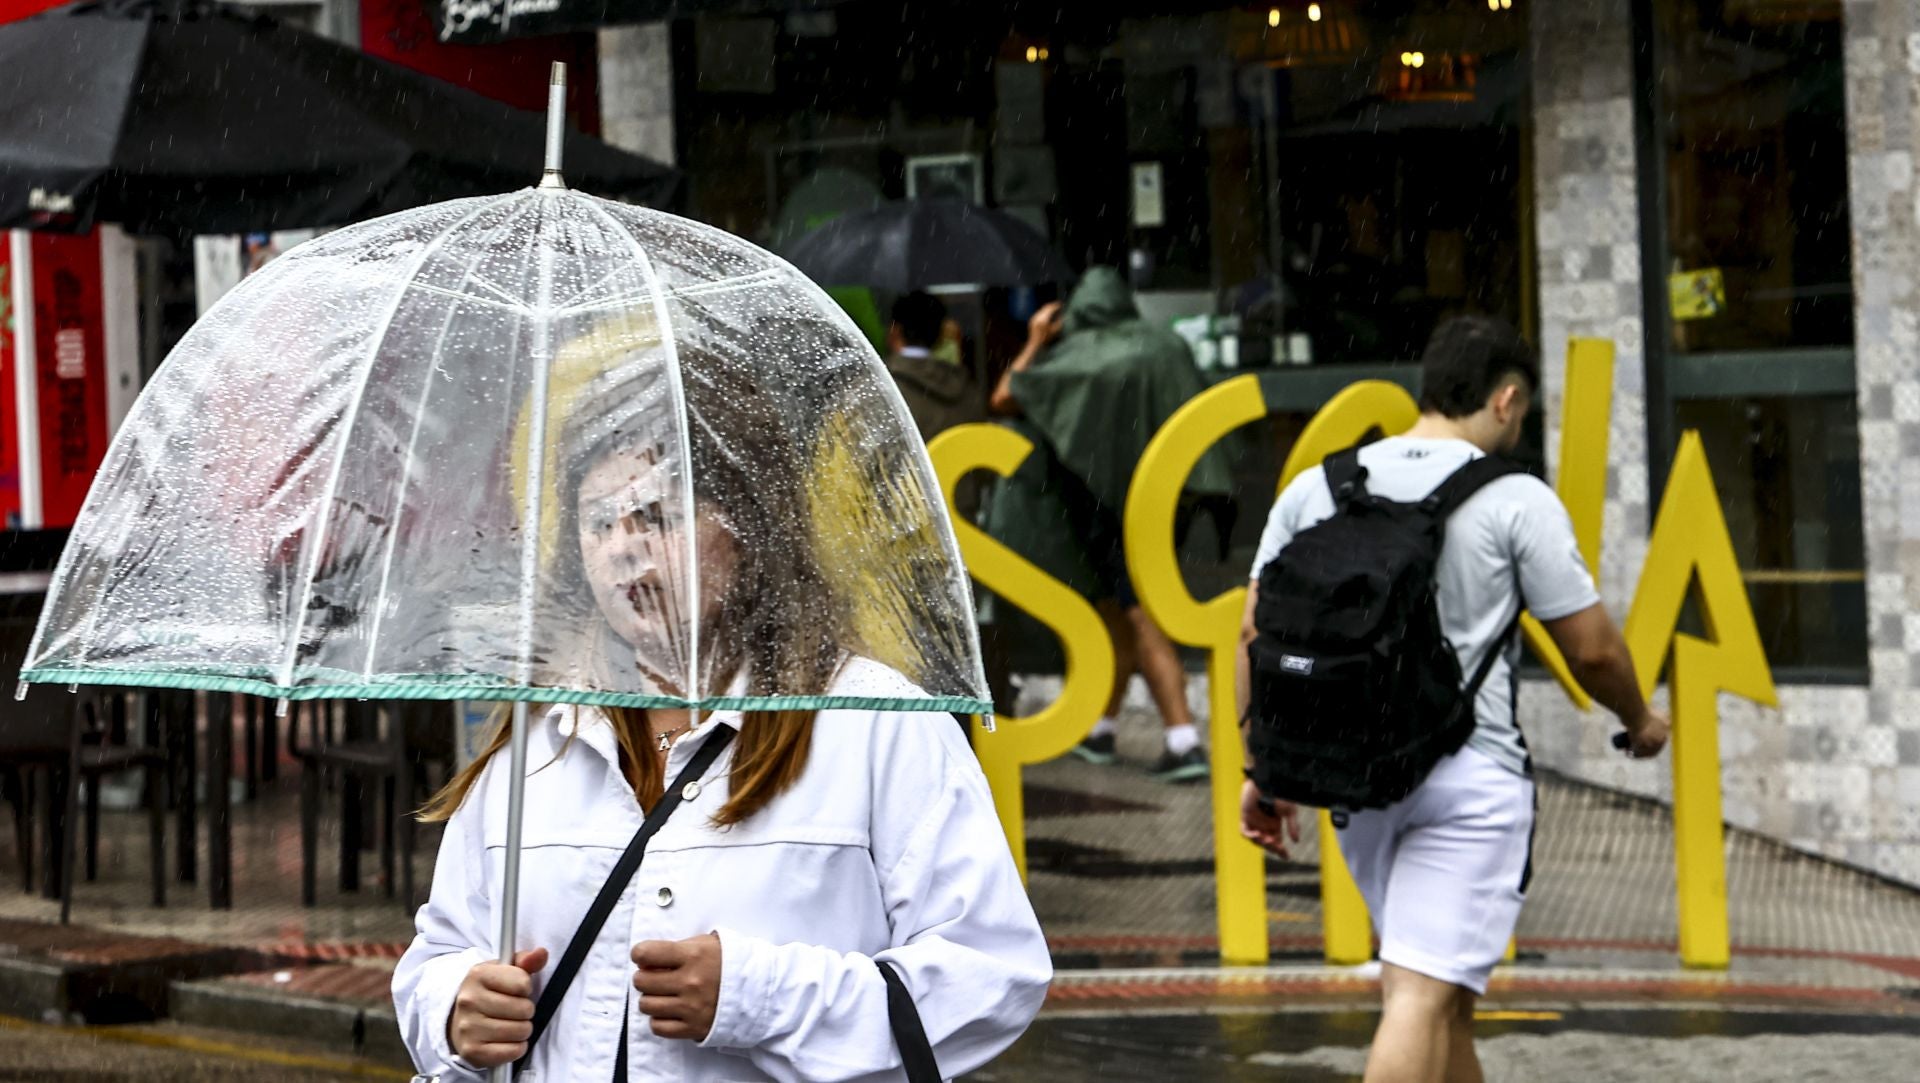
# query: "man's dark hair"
{"type": "Point", "coordinates": [1469, 357]}
{"type": "Point", "coordinates": [920, 316]}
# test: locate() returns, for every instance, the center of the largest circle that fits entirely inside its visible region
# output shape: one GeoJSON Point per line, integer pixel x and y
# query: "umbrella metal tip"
{"type": "Point", "coordinates": [556, 126]}
{"type": "Point", "coordinates": [20, 691]}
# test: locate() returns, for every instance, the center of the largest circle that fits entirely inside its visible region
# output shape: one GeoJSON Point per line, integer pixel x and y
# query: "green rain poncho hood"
{"type": "Point", "coordinates": [1090, 405]}
{"type": "Point", "coordinates": [1107, 386]}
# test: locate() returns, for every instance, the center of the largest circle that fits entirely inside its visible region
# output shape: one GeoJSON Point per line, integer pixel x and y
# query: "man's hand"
{"type": "Point", "coordinates": [1647, 735]}
{"type": "Point", "coordinates": [492, 1014]}
{"type": "Point", "coordinates": [679, 983]}
{"type": "Point", "coordinates": [1271, 831]}
{"type": "Point", "coordinates": [1044, 327]}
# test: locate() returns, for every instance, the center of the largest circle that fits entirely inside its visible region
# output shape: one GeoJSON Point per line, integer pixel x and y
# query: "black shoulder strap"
{"type": "Point", "coordinates": [1494, 650]}
{"type": "Point", "coordinates": [1345, 476]}
{"type": "Point", "coordinates": [916, 1053]}
{"type": "Point", "coordinates": [616, 885]}
{"type": "Point", "coordinates": [1466, 481]}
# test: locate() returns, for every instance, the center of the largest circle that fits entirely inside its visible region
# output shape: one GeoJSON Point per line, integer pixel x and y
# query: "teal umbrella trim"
{"type": "Point", "coordinates": [463, 686]}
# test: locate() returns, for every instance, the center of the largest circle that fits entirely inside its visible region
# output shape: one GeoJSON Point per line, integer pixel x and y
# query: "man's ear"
{"type": "Point", "coordinates": [1505, 400]}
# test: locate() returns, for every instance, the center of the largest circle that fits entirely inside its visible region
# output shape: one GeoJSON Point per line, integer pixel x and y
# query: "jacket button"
{"type": "Point", "coordinates": [664, 896]}
{"type": "Point", "coordinates": [690, 791]}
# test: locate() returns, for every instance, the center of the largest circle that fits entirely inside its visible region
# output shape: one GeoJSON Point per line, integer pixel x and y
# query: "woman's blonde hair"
{"type": "Point", "coordinates": [778, 621]}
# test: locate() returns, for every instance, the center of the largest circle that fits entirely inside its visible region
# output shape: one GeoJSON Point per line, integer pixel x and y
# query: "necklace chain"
{"type": "Point", "coordinates": [666, 736]}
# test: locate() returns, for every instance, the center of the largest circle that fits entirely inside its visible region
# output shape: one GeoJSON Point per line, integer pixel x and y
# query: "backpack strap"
{"type": "Point", "coordinates": [1494, 651]}
{"type": "Point", "coordinates": [1446, 499]}
{"type": "Point", "coordinates": [1466, 481]}
{"type": "Point", "coordinates": [1346, 478]}
{"type": "Point", "coordinates": [616, 885]}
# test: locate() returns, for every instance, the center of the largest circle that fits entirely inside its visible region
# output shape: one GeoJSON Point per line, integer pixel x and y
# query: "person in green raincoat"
{"type": "Point", "coordinates": [1092, 387]}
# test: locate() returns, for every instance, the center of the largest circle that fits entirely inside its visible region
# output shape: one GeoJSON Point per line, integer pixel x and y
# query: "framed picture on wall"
{"type": "Point", "coordinates": [949, 176]}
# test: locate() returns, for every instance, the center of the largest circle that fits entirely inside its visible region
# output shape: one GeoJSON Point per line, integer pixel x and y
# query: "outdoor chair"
{"type": "Point", "coordinates": [347, 740]}
{"type": "Point", "coordinates": [52, 741]}
{"type": "Point", "coordinates": [32, 735]}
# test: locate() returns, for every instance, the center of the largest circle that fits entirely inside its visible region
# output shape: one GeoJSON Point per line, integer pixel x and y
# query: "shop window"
{"type": "Point", "coordinates": [1750, 299]}
{"type": "Point", "coordinates": [1360, 163]}
{"type": "Point", "coordinates": [1756, 174]}
{"type": "Point", "coordinates": [1788, 473]}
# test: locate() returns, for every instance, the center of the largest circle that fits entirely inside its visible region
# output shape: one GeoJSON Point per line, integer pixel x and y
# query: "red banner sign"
{"type": "Point", "coordinates": [9, 406]}
{"type": "Point", "coordinates": [69, 351]}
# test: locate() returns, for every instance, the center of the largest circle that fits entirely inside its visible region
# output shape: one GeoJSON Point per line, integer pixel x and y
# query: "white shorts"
{"type": "Point", "coordinates": [1444, 871]}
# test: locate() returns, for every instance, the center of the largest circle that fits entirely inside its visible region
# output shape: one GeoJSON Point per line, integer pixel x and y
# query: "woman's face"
{"type": "Point", "coordinates": [633, 544]}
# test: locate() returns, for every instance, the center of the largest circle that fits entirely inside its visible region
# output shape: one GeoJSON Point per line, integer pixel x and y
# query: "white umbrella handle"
{"type": "Point", "coordinates": [510, 879]}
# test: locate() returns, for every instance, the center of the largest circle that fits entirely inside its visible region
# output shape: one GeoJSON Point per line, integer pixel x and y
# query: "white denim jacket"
{"type": "Point", "coordinates": [887, 847]}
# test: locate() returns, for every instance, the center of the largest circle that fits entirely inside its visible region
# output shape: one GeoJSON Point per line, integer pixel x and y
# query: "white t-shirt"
{"type": "Point", "coordinates": [1514, 532]}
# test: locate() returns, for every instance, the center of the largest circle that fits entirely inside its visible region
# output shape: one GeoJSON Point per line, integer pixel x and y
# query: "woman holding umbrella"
{"type": "Point", "coordinates": [817, 843]}
{"type": "Point", "coordinates": [547, 448]}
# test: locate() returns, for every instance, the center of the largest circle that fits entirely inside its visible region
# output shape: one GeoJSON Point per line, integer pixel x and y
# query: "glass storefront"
{"type": "Point", "coordinates": [1298, 186]}
{"type": "Point", "coordinates": [1788, 472]}
{"type": "Point", "coordinates": [1755, 148]}
{"type": "Point", "coordinates": [1753, 304]}
{"type": "Point", "coordinates": [1293, 186]}
{"type": "Point", "coordinates": [1360, 162]}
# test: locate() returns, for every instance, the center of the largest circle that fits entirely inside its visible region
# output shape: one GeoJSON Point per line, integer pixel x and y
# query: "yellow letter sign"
{"type": "Point", "coordinates": [1690, 544]}
{"type": "Point", "coordinates": [1239, 867]}
{"type": "Point", "coordinates": [1089, 652]}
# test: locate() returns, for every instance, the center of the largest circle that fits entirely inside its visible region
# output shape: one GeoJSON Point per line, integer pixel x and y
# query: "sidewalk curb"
{"type": "Point", "coordinates": [369, 1031]}
{"type": "Point", "coordinates": [46, 987]}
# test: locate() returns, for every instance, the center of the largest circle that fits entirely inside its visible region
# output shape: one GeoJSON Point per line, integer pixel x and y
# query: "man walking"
{"type": "Point", "coordinates": [940, 394]}
{"type": "Point", "coordinates": [1444, 870]}
{"type": "Point", "coordinates": [1094, 398]}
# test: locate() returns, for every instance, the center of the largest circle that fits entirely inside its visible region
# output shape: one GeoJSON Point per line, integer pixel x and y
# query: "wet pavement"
{"type": "Point", "coordinates": [165, 1053]}
{"type": "Point", "coordinates": [1541, 1044]}
{"type": "Point", "coordinates": [1569, 1042]}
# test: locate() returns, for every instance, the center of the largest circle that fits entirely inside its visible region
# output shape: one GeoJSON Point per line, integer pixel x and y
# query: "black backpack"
{"type": "Point", "coordinates": [1356, 693]}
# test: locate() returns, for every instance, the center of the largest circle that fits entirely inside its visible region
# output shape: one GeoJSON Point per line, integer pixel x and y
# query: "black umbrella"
{"type": "Point", "coordinates": [917, 243]}
{"type": "Point", "coordinates": [187, 116]}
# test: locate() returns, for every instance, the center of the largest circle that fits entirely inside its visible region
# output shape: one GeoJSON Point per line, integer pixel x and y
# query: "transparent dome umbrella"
{"type": "Point", "coordinates": [534, 447]}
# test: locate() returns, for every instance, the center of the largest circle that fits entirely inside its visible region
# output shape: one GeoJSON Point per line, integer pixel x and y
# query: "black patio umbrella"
{"type": "Point", "coordinates": [916, 243]}
{"type": "Point", "coordinates": [189, 116]}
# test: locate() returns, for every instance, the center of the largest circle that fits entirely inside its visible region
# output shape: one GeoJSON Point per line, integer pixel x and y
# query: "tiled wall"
{"type": "Point", "coordinates": [1883, 120]}
{"type": "Point", "coordinates": [1833, 771]}
{"type": "Point", "coordinates": [1587, 225]}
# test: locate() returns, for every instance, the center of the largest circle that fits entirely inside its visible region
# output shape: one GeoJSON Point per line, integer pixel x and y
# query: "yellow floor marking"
{"type": "Point", "coordinates": [208, 1047]}
{"type": "Point", "coordinates": [1493, 1016]}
